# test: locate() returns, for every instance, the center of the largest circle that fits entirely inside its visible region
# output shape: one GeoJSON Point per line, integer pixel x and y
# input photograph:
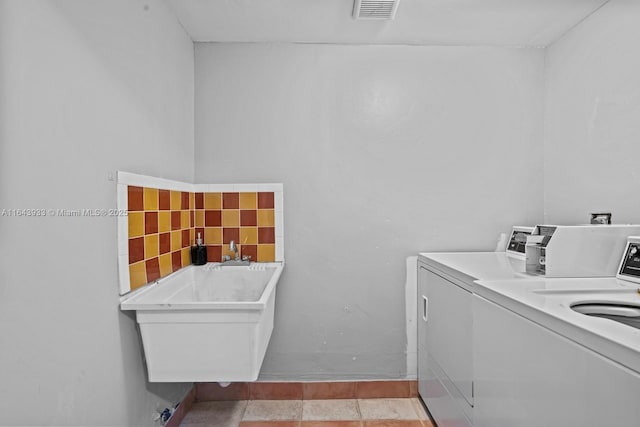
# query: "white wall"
{"type": "Point", "coordinates": [87, 87]}
{"type": "Point", "coordinates": [384, 151]}
{"type": "Point", "coordinates": [592, 118]}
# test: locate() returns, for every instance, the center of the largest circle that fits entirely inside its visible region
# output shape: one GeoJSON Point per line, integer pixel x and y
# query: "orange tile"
{"type": "Point", "coordinates": [275, 391]}
{"type": "Point", "coordinates": [199, 218]}
{"type": "Point", "coordinates": [266, 253]}
{"type": "Point", "coordinates": [151, 246]}
{"type": "Point", "coordinates": [212, 201]}
{"type": "Point", "coordinates": [186, 256]}
{"type": "Point", "coordinates": [231, 218]}
{"type": "Point", "coordinates": [137, 275]}
{"type": "Point", "coordinates": [176, 200]}
{"type": "Point", "coordinates": [248, 235]}
{"type": "Point", "coordinates": [164, 221]}
{"type": "Point", "coordinates": [212, 236]}
{"type": "Point", "coordinates": [392, 423]}
{"type": "Point", "coordinates": [185, 221]}
{"type": "Point", "coordinates": [150, 199]}
{"type": "Point", "coordinates": [382, 389]}
{"type": "Point", "coordinates": [329, 390]}
{"type": "Point", "coordinates": [136, 224]}
{"type": "Point", "coordinates": [266, 218]}
{"type": "Point", "coordinates": [165, 264]}
{"type": "Point", "coordinates": [248, 201]}
{"type": "Point", "coordinates": [176, 240]}
{"type": "Point", "coordinates": [206, 392]}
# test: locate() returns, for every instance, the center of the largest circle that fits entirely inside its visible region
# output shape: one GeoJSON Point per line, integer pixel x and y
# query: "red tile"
{"type": "Point", "coordinates": [199, 200]}
{"type": "Point", "coordinates": [250, 251]}
{"type": "Point", "coordinates": [329, 390]}
{"type": "Point", "coordinates": [135, 196]}
{"type": "Point", "coordinates": [165, 243]}
{"type": "Point", "coordinates": [382, 389]}
{"type": "Point", "coordinates": [393, 423]}
{"type": "Point", "coordinates": [266, 235]}
{"type": "Point", "coordinates": [153, 269]}
{"type": "Point", "coordinates": [186, 238]}
{"type": "Point", "coordinates": [184, 200]}
{"type": "Point", "coordinates": [164, 200]}
{"type": "Point", "coordinates": [176, 261]}
{"type": "Point", "coordinates": [214, 253]}
{"type": "Point", "coordinates": [269, 424]}
{"type": "Point", "coordinates": [201, 231]}
{"type": "Point", "coordinates": [248, 218]}
{"type": "Point", "coordinates": [136, 249]}
{"type": "Point", "coordinates": [213, 218]}
{"type": "Point", "coordinates": [265, 201]}
{"type": "Point", "coordinates": [175, 220]}
{"type": "Point", "coordinates": [212, 391]}
{"type": "Point", "coordinates": [192, 219]}
{"type": "Point", "coordinates": [230, 200]}
{"type": "Point", "coordinates": [275, 391]}
{"type": "Point", "coordinates": [229, 234]}
{"type": "Point", "coordinates": [150, 222]}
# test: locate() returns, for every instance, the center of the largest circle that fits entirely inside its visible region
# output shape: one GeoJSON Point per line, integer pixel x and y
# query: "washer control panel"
{"type": "Point", "coordinates": [630, 263]}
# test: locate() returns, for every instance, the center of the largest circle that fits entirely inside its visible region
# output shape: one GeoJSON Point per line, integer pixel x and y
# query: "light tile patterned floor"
{"type": "Point", "coordinates": [401, 412]}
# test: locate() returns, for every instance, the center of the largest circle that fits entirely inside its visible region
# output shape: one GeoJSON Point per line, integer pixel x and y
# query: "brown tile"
{"type": "Point", "coordinates": [249, 218]}
{"type": "Point", "coordinates": [199, 200]}
{"type": "Point", "coordinates": [392, 423]}
{"type": "Point", "coordinates": [382, 389]}
{"type": "Point", "coordinates": [229, 234]}
{"type": "Point", "coordinates": [182, 409]}
{"type": "Point", "coordinates": [153, 269]}
{"type": "Point", "coordinates": [212, 391]}
{"type": "Point", "coordinates": [184, 200]}
{"type": "Point", "coordinates": [136, 249]}
{"type": "Point", "coordinates": [275, 391]}
{"type": "Point", "coordinates": [186, 238]}
{"type": "Point", "coordinates": [230, 201]}
{"type": "Point", "coordinates": [250, 250]}
{"type": "Point", "coordinates": [135, 196]}
{"type": "Point", "coordinates": [413, 388]}
{"type": "Point", "coordinates": [192, 218]}
{"type": "Point", "coordinates": [213, 218]}
{"type": "Point", "coordinates": [164, 200]}
{"type": "Point", "coordinates": [176, 261]}
{"type": "Point", "coordinates": [175, 220]}
{"type": "Point", "coordinates": [150, 222]}
{"type": "Point", "coordinates": [265, 201]}
{"type": "Point", "coordinates": [269, 424]}
{"type": "Point", "coordinates": [214, 253]}
{"type": "Point", "coordinates": [331, 424]}
{"type": "Point", "coordinates": [329, 390]}
{"type": "Point", "coordinates": [165, 243]}
{"type": "Point", "coordinates": [427, 423]}
{"type": "Point", "coordinates": [266, 235]}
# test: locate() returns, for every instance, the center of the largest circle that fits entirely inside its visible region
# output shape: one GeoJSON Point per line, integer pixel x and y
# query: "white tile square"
{"type": "Point", "coordinates": [272, 410]}
{"type": "Point", "coordinates": [332, 409]}
{"type": "Point", "coordinates": [220, 413]}
{"type": "Point", "coordinates": [387, 409]}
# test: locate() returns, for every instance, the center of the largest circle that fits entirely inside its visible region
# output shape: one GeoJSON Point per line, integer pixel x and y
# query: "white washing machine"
{"type": "Point", "coordinates": [554, 351]}
{"type": "Point", "coordinates": [446, 284]}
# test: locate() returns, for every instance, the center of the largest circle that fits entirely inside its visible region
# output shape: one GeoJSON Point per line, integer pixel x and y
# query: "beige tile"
{"type": "Point", "coordinates": [267, 410]}
{"type": "Point", "coordinates": [417, 405]}
{"type": "Point", "coordinates": [333, 409]}
{"type": "Point", "coordinates": [387, 409]}
{"type": "Point", "coordinates": [220, 413]}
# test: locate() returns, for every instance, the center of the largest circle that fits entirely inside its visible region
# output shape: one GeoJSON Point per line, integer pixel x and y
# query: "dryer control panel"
{"type": "Point", "coordinates": [630, 263]}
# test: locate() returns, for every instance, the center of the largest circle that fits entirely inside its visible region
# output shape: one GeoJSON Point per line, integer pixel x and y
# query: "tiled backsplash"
{"type": "Point", "coordinates": [163, 222]}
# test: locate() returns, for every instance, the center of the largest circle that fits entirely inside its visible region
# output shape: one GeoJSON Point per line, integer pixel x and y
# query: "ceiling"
{"type": "Point", "coordinates": [423, 22]}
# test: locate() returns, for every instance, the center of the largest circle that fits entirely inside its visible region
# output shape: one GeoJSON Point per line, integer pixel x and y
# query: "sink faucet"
{"type": "Point", "coordinates": [233, 247]}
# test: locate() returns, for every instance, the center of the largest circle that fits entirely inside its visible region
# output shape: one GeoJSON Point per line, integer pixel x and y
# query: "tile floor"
{"type": "Point", "coordinates": [387, 412]}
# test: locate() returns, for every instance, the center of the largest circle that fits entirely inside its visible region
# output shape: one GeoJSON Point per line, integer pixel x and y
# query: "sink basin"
{"type": "Point", "coordinates": [624, 313]}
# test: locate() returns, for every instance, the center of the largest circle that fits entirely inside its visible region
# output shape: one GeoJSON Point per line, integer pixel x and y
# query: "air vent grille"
{"type": "Point", "coordinates": [375, 9]}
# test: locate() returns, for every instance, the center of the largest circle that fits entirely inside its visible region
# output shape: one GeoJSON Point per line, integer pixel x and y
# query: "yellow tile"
{"type": "Point", "coordinates": [176, 200]}
{"type": "Point", "coordinates": [231, 218]}
{"type": "Point", "coordinates": [192, 200]}
{"type": "Point", "coordinates": [150, 199]}
{"type": "Point", "coordinates": [165, 264]}
{"type": "Point", "coordinates": [213, 236]}
{"type": "Point", "coordinates": [266, 253]}
{"type": "Point", "coordinates": [176, 240]}
{"type": "Point", "coordinates": [164, 221]}
{"type": "Point", "coordinates": [136, 224]}
{"type": "Point", "coordinates": [248, 200]}
{"type": "Point", "coordinates": [199, 218]}
{"type": "Point", "coordinates": [213, 200]}
{"type": "Point", "coordinates": [151, 246]}
{"type": "Point", "coordinates": [185, 221]}
{"type": "Point", "coordinates": [248, 235]}
{"type": "Point", "coordinates": [186, 256]}
{"type": "Point", "coordinates": [266, 218]}
{"type": "Point", "coordinates": [137, 275]}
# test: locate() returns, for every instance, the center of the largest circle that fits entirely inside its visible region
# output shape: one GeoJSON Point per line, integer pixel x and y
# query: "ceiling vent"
{"type": "Point", "coordinates": [375, 9]}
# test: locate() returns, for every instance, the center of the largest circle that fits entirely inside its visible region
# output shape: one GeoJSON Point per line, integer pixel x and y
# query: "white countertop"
{"type": "Point", "coordinates": [548, 301]}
